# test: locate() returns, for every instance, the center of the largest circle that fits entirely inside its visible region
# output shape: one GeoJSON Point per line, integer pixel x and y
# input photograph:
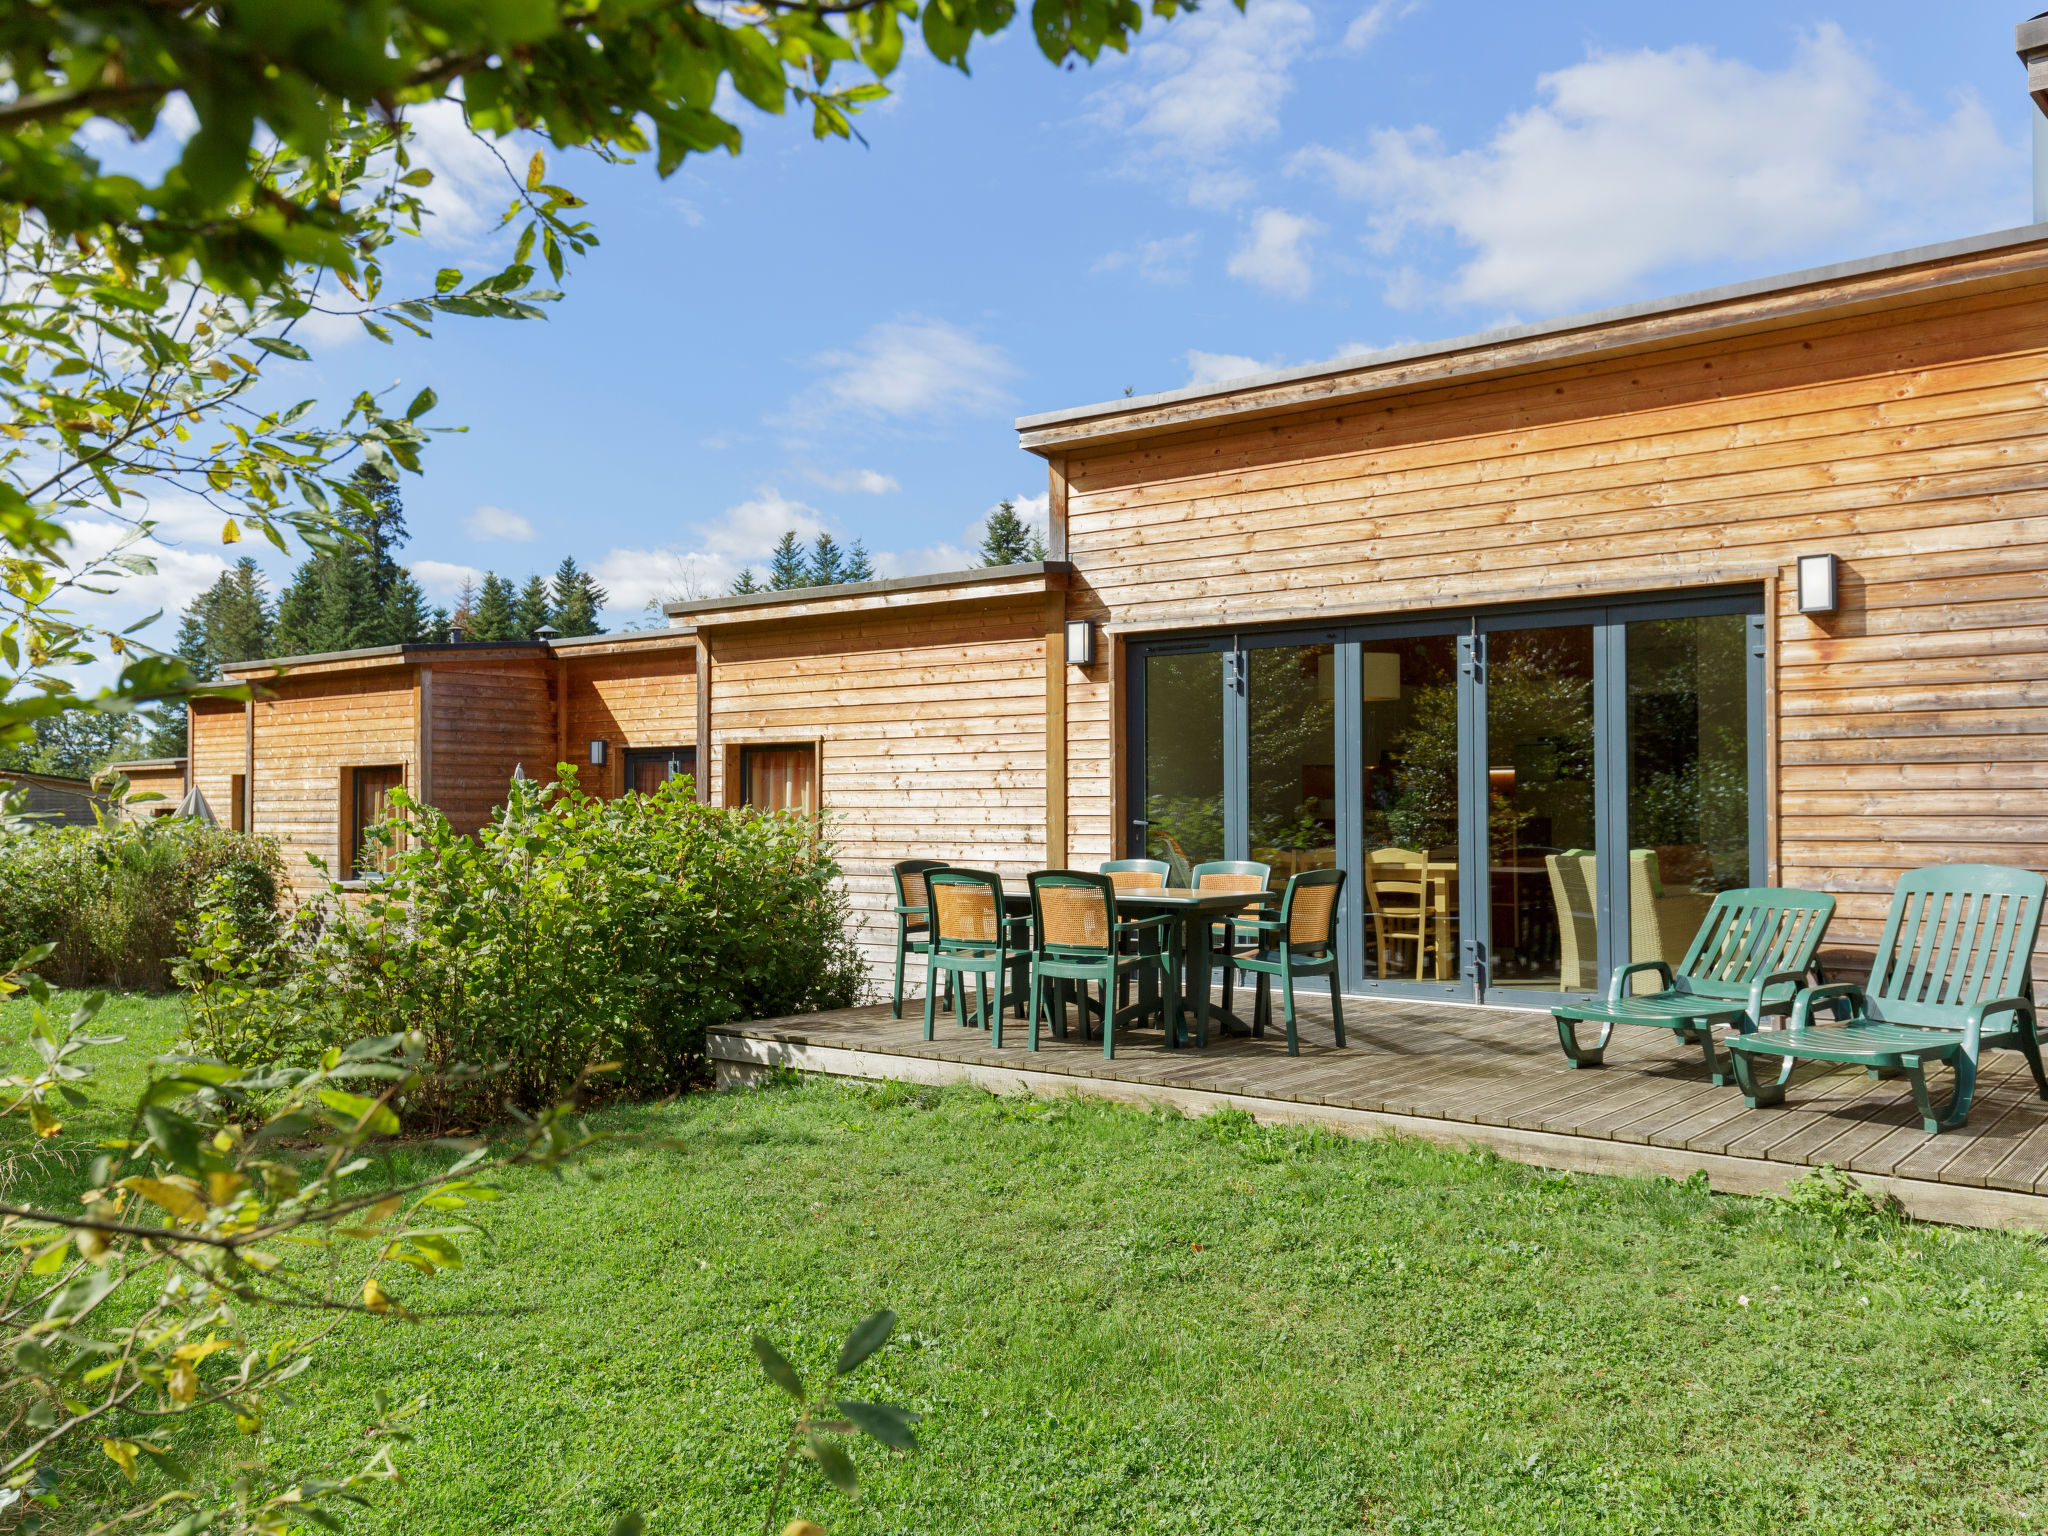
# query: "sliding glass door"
{"type": "Point", "coordinates": [1521, 801]}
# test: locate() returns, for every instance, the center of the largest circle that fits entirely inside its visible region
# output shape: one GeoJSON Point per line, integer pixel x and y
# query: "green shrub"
{"type": "Point", "coordinates": [116, 899]}
{"type": "Point", "coordinates": [569, 932]}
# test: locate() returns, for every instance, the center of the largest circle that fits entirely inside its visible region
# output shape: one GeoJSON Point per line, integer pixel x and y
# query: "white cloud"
{"type": "Point", "coordinates": [909, 368]}
{"type": "Point", "coordinates": [443, 579]}
{"type": "Point", "coordinates": [1635, 162]}
{"type": "Point", "coordinates": [1165, 262]}
{"type": "Point", "coordinates": [497, 523]}
{"type": "Point", "coordinates": [1274, 254]}
{"type": "Point", "coordinates": [1206, 368]}
{"type": "Point", "coordinates": [707, 559]}
{"type": "Point", "coordinates": [1369, 24]}
{"type": "Point", "coordinates": [471, 184]}
{"type": "Point", "coordinates": [866, 482]}
{"type": "Point", "coordinates": [945, 555]}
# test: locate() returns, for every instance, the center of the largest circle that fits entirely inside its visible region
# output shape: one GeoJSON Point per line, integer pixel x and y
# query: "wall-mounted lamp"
{"type": "Point", "coordinates": [1820, 584]}
{"type": "Point", "coordinates": [597, 754]}
{"type": "Point", "coordinates": [1080, 643]}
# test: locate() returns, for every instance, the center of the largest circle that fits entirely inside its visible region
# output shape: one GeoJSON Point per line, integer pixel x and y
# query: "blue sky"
{"type": "Point", "coordinates": [820, 335]}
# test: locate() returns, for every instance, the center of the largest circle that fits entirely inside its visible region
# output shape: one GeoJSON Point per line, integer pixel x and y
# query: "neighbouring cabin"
{"type": "Point", "coordinates": [55, 800]}
{"type": "Point", "coordinates": [1511, 628]}
{"type": "Point", "coordinates": [164, 777]}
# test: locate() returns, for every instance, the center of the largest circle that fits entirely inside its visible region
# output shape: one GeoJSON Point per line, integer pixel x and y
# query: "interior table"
{"type": "Point", "coordinates": [1195, 913]}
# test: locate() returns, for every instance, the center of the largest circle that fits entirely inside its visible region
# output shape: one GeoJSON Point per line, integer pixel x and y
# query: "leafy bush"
{"type": "Point", "coordinates": [115, 899]}
{"type": "Point", "coordinates": [570, 932]}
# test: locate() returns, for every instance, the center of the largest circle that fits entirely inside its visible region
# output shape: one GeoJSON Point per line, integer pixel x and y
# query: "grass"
{"type": "Point", "coordinates": [1128, 1322]}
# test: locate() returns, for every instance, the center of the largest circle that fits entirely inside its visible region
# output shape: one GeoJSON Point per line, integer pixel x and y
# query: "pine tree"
{"type": "Point", "coordinates": [438, 626]}
{"type": "Point", "coordinates": [789, 569]}
{"type": "Point", "coordinates": [858, 566]}
{"type": "Point", "coordinates": [405, 619]}
{"type": "Point", "coordinates": [350, 598]}
{"type": "Point", "coordinates": [465, 606]}
{"type": "Point", "coordinates": [534, 611]}
{"type": "Point", "coordinates": [745, 583]}
{"type": "Point", "coordinates": [828, 562]}
{"type": "Point", "coordinates": [578, 598]}
{"type": "Point", "coordinates": [230, 621]}
{"type": "Point", "coordinates": [494, 616]}
{"type": "Point", "coordinates": [1008, 539]}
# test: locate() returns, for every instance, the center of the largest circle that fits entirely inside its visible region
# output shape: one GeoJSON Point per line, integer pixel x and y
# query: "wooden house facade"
{"type": "Point", "coordinates": [1543, 635]}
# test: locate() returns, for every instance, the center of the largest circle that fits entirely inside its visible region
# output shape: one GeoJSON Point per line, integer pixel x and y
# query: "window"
{"type": "Point", "coordinates": [648, 768]}
{"type": "Point", "coordinates": [779, 778]}
{"type": "Point", "coordinates": [369, 803]}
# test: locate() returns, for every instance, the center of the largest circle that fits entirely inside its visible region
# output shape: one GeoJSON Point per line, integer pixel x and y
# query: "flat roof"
{"type": "Point", "coordinates": [847, 594]}
{"type": "Point", "coordinates": [1222, 391]}
{"type": "Point", "coordinates": [149, 762]}
{"type": "Point", "coordinates": [428, 650]}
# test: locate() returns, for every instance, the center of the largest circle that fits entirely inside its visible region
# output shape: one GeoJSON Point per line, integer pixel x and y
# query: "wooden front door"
{"type": "Point", "coordinates": [372, 803]}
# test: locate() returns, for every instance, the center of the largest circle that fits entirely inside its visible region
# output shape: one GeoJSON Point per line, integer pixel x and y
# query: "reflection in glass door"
{"type": "Point", "coordinates": [1408, 762]}
{"type": "Point", "coordinates": [1292, 736]}
{"type": "Point", "coordinates": [1183, 788]}
{"type": "Point", "coordinates": [1542, 863]}
{"type": "Point", "coordinates": [1688, 776]}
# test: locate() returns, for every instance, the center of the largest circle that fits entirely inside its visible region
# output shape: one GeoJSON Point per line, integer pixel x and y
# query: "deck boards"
{"type": "Point", "coordinates": [1500, 1071]}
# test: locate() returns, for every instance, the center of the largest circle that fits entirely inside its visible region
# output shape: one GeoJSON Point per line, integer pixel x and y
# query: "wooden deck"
{"type": "Point", "coordinates": [1491, 1077]}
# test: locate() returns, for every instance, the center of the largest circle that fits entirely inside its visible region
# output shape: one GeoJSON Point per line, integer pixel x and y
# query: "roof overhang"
{"type": "Point", "coordinates": [898, 592]}
{"type": "Point", "coordinates": [2010, 258]}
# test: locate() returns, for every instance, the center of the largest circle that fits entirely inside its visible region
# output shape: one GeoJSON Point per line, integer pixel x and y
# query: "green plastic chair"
{"type": "Point", "coordinates": [1301, 940]}
{"type": "Point", "coordinates": [971, 936]}
{"type": "Point", "coordinates": [1080, 940]}
{"type": "Point", "coordinates": [1228, 937]}
{"type": "Point", "coordinates": [913, 916]}
{"type": "Point", "coordinates": [1753, 952]}
{"type": "Point", "coordinates": [1950, 978]}
{"type": "Point", "coordinates": [1139, 874]}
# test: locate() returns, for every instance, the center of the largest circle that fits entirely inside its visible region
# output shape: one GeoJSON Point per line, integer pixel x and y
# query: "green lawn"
{"type": "Point", "coordinates": [1129, 1322]}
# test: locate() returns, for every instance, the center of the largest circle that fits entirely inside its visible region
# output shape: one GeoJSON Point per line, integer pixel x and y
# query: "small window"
{"type": "Point", "coordinates": [370, 803]}
{"type": "Point", "coordinates": [779, 778]}
{"type": "Point", "coordinates": [648, 768]}
{"type": "Point", "coordinates": [238, 802]}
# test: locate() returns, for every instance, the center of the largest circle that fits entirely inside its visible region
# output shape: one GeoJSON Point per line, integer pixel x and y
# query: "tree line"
{"type": "Point", "coordinates": [1006, 540]}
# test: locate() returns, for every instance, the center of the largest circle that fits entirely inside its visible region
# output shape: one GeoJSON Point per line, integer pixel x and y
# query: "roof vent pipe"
{"type": "Point", "coordinates": [2030, 40]}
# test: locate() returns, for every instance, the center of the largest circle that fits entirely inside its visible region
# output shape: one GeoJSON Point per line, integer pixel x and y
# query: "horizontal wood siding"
{"type": "Point", "coordinates": [308, 733]}
{"type": "Point", "coordinates": [169, 783]}
{"type": "Point", "coordinates": [629, 701]}
{"type": "Point", "coordinates": [1912, 443]}
{"type": "Point", "coordinates": [931, 733]}
{"type": "Point", "coordinates": [487, 721]}
{"type": "Point", "coordinates": [213, 753]}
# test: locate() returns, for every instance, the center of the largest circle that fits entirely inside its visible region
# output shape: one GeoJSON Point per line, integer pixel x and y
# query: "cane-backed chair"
{"type": "Point", "coordinates": [1228, 937]}
{"type": "Point", "coordinates": [1301, 940]}
{"type": "Point", "coordinates": [1137, 874]}
{"type": "Point", "coordinates": [913, 917]}
{"type": "Point", "coordinates": [1080, 939]}
{"type": "Point", "coordinates": [971, 936]}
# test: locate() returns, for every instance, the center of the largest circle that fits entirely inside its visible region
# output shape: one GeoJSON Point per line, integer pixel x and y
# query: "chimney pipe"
{"type": "Point", "coordinates": [2030, 41]}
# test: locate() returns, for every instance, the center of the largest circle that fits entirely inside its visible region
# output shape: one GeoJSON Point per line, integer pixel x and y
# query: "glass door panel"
{"type": "Point", "coordinates": [1291, 733]}
{"type": "Point", "coordinates": [1542, 882]}
{"type": "Point", "coordinates": [1408, 761]}
{"type": "Point", "coordinates": [1183, 765]}
{"type": "Point", "coordinates": [1688, 776]}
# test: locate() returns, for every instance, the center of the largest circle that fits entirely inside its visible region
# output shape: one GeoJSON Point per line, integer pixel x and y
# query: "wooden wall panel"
{"type": "Point", "coordinates": [308, 731]}
{"type": "Point", "coordinates": [213, 751]}
{"type": "Point", "coordinates": [931, 734]}
{"type": "Point", "coordinates": [1912, 727]}
{"type": "Point", "coordinates": [488, 721]}
{"type": "Point", "coordinates": [629, 701]}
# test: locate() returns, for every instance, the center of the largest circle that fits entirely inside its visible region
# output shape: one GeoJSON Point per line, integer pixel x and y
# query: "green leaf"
{"type": "Point", "coordinates": [777, 1369]}
{"type": "Point", "coordinates": [881, 1421]}
{"type": "Point", "coordinates": [833, 1461]}
{"type": "Point", "coordinates": [368, 1113]}
{"type": "Point", "coordinates": [175, 1136]}
{"type": "Point", "coordinates": [281, 348]}
{"type": "Point", "coordinates": [422, 403]}
{"type": "Point", "coordinates": [628, 1525]}
{"type": "Point", "coordinates": [868, 1335]}
{"type": "Point", "coordinates": [447, 280]}
{"type": "Point", "coordinates": [418, 178]}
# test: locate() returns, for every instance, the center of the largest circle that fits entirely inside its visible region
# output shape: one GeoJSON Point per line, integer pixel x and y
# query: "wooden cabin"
{"type": "Point", "coordinates": [164, 777]}
{"type": "Point", "coordinates": [1544, 635]}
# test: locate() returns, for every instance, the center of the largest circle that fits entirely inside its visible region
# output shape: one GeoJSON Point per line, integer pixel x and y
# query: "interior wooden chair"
{"type": "Point", "coordinates": [971, 936]}
{"type": "Point", "coordinates": [913, 918]}
{"type": "Point", "coordinates": [1080, 940]}
{"type": "Point", "coordinates": [1397, 894]}
{"type": "Point", "coordinates": [1300, 941]}
{"type": "Point", "coordinates": [1229, 938]}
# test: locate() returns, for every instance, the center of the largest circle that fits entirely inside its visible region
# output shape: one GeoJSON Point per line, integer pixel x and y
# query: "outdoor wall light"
{"type": "Point", "coordinates": [1820, 583]}
{"type": "Point", "coordinates": [1080, 643]}
{"type": "Point", "coordinates": [597, 754]}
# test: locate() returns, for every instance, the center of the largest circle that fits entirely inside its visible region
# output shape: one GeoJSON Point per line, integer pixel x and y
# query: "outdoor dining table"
{"type": "Point", "coordinates": [1195, 914]}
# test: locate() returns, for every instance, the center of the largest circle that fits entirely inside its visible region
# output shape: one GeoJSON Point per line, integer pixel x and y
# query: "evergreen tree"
{"type": "Point", "coordinates": [230, 621]}
{"type": "Point", "coordinates": [788, 569]}
{"type": "Point", "coordinates": [406, 620]}
{"type": "Point", "coordinates": [438, 626]}
{"type": "Point", "coordinates": [348, 598]}
{"type": "Point", "coordinates": [828, 562]}
{"type": "Point", "coordinates": [578, 597]}
{"type": "Point", "coordinates": [858, 566]}
{"type": "Point", "coordinates": [495, 616]}
{"type": "Point", "coordinates": [745, 583]}
{"type": "Point", "coordinates": [465, 606]}
{"type": "Point", "coordinates": [534, 611]}
{"type": "Point", "coordinates": [1008, 539]}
